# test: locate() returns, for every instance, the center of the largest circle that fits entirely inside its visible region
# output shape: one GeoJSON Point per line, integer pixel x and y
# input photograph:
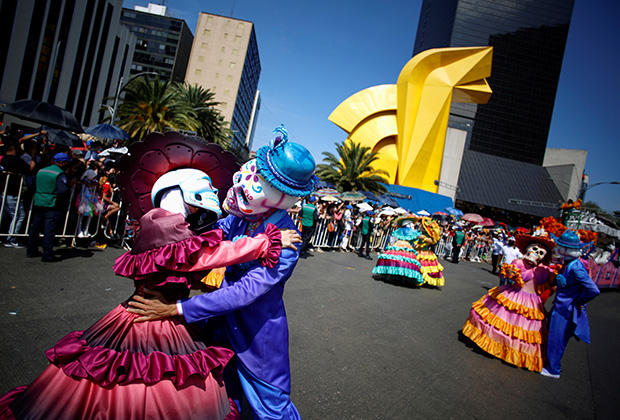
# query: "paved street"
{"type": "Point", "coordinates": [360, 348]}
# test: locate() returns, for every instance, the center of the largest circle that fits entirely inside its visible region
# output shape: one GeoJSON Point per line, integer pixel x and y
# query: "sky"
{"type": "Point", "coordinates": [315, 54]}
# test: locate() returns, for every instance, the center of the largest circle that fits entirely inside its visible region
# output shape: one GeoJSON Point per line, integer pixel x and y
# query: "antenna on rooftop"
{"type": "Point", "coordinates": [232, 9]}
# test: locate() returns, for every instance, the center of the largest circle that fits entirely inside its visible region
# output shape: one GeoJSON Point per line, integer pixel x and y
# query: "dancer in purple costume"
{"type": "Point", "coordinates": [250, 299]}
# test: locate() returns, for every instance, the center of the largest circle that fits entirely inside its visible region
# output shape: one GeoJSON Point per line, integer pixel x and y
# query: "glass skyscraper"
{"type": "Point", "coordinates": [163, 43]}
{"type": "Point", "coordinates": [528, 39]}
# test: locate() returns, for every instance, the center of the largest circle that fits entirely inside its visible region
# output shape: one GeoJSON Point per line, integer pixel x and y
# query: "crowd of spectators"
{"type": "Point", "coordinates": [89, 179]}
{"type": "Point", "coordinates": [330, 225]}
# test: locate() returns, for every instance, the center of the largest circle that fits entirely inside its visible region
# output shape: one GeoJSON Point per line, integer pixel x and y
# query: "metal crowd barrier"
{"type": "Point", "coordinates": [72, 218]}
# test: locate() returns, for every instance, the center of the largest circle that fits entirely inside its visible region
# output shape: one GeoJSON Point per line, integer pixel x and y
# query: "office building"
{"type": "Point", "coordinates": [163, 42]}
{"type": "Point", "coordinates": [528, 40]}
{"type": "Point", "coordinates": [506, 139]}
{"type": "Point", "coordinates": [225, 60]}
{"type": "Point", "coordinates": [66, 52]}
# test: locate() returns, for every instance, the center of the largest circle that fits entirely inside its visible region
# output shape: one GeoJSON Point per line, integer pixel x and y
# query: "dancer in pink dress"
{"type": "Point", "coordinates": [509, 321]}
{"type": "Point", "coordinates": [166, 369]}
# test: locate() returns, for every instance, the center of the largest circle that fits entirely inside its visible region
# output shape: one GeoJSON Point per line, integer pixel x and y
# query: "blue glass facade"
{"type": "Point", "coordinates": [163, 44]}
{"type": "Point", "coordinates": [529, 38]}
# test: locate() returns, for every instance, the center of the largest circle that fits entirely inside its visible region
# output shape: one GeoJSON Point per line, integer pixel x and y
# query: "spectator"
{"type": "Point", "coordinates": [309, 217]}
{"type": "Point", "coordinates": [88, 202]}
{"type": "Point", "coordinates": [347, 220]}
{"type": "Point", "coordinates": [13, 206]}
{"type": "Point", "coordinates": [366, 227]}
{"type": "Point", "coordinates": [51, 183]}
{"type": "Point", "coordinates": [457, 243]}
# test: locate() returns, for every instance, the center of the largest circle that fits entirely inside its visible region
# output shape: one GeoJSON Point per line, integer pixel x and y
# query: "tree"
{"type": "Point", "coordinates": [153, 105]}
{"type": "Point", "coordinates": [352, 170]}
{"type": "Point", "coordinates": [211, 125]}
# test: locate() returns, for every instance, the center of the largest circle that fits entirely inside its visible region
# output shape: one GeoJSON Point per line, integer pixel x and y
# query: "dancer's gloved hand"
{"type": "Point", "coordinates": [560, 280]}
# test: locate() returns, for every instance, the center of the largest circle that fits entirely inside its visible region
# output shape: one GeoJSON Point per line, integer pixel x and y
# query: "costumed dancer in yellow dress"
{"type": "Point", "coordinates": [509, 322]}
{"type": "Point", "coordinates": [432, 270]}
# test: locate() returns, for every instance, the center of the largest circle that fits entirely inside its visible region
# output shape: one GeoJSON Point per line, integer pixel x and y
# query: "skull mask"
{"type": "Point", "coordinates": [251, 195]}
{"type": "Point", "coordinates": [535, 253]}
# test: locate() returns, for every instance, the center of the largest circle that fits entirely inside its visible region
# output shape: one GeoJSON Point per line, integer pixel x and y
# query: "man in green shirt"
{"type": "Point", "coordinates": [366, 227]}
{"type": "Point", "coordinates": [51, 182]}
{"type": "Point", "coordinates": [309, 216]}
{"type": "Point", "coordinates": [457, 243]}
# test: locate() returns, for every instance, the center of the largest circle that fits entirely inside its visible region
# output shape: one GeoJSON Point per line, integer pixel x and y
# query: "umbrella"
{"type": "Point", "coordinates": [107, 131]}
{"type": "Point", "coordinates": [323, 192]}
{"type": "Point", "coordinates": [370, 196]}
{"type": "Point", "coordinates": [454, 212]}
{"type": "Point", "coordinates": [43, 113]}
{"type": "Point", "coordinates": [423, 213]}
{"type": "Point", "coordinates": [487, 222]}
{"type": "Point", "coordinates": [472, 217]}
{"type": "Point", "coordinates": [388, 200]}
{"type": "Point", "coordinates": [440, 213]}
{"type": "Point", "coordinates": [114, 152]}
{"type": "Point", "coordinates": [401, 210]}
{"type": "Point", "coordinates": [352, 196]}
{"type": "Point", "coordinates": [387, 211]}
{"type": "Point", "coordinates": [329, 198]}
{"type": "Point", "coordinates": [364, 206]}
{"type": "Point", "coordinates": [63, 137]}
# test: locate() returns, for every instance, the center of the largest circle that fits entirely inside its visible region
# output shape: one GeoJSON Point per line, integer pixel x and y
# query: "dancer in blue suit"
{"type": "Point", "coordinates": [568, 315]}
{"type": "Point", "coordinates": [250, 297]}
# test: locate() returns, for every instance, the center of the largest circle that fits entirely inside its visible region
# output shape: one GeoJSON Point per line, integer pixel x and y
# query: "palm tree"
{"type": "Point", "coordinates": [352, 170]}
{"type": "Point", "coordinates": [153, 105]}
{"type": "Point", "coordinates": [211, 125]}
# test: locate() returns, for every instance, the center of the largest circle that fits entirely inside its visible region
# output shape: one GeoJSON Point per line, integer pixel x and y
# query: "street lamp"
{"type": "Point", "coordinates": [121, 87]}
{"type": "Point", "coordinates": [582, 194]}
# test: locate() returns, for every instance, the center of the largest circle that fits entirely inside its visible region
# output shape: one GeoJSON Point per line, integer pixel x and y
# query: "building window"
{"type": "Point", "coordinates": [219, 62]}
{"type": "Point", "coordinates": [207, 32]}
{"type": "Point", "coordinates": [229, 78]}
{"type": "Point", "coordinates": [240, 26]}
{"type": "Point", "coordinates": [217, 75]}
{"type": "Point", "coordinates": [225, 36]}
{"type": "Point", "coordinates": [209, 19]}
{"type": "Point", "coordinates": [235, 52]}
{"type": "Point", "coordinates": [201, 58]}
{"type": "Point", "coordinates": [198, 72]}
{"type": "Point", "coordinates": [232, 65]}
{"type": "Point", "coordinates": [203, 45]}
{"type": "Point", "coordinates": [223, 105]}
{"type": "Point", "coordinates": [223, 49]}
{"type": "Point", "coordinates": [226, 91]}
{"type": "Point", "coordinates": [238, 38]}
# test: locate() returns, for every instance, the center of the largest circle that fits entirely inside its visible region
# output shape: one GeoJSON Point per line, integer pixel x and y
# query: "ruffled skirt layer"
{"type": "Point", "coordinates": [432, 270]}
{"type": "Point", "coordinates": [118, 369]}
{"type": "Point", "coordinates": [399, 262]}
{"type": "Point", "coordinates": [509, 323]}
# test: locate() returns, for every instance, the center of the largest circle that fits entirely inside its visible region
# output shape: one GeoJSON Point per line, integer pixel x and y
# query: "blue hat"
{"type": "Point", "coordinates": [349, 206]}
{"type": "Point", "coordinates": [312, 199]}
{"type": "Point", "coordinates": [288, 167]}
{"type": "Point", "coordinates": [370, 212]}
{"type": "Point", "coordinates": [569, 239]}
{"type": "Point", "coordinates": [89, 142]}
{"type": "Point", "coordinates": [61, 157]}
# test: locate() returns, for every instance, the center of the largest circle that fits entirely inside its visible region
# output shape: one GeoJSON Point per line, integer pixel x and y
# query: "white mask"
{"type": "Point", "coordinates": [250, 196]}
{"type": "Point", "coordinates": [535, 253]}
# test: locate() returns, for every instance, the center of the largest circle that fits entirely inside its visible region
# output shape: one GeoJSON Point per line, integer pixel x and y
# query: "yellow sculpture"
{"type": "Point", "coordinates": [406, 123]}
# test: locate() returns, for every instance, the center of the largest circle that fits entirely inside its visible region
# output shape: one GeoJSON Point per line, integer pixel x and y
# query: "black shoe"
{"type": "Point", "coordinates": [368, 257]}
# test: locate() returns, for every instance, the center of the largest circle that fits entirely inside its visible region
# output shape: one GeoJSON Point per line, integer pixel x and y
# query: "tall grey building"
{"type": "Point", "coordinates": [225, 60]}
{"type": "Point", "coordinates": [163, 43]}
{"type": "Point", "coordinates": [71, 53]}
{"type": "Point", "coordinates": [528, 40]}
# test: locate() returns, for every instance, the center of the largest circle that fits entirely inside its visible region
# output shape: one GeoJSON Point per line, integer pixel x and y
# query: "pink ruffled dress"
{"type": "Point", "coordinates": [118, 369]}
{"type": "Point", "coordinates": [509, 321]}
